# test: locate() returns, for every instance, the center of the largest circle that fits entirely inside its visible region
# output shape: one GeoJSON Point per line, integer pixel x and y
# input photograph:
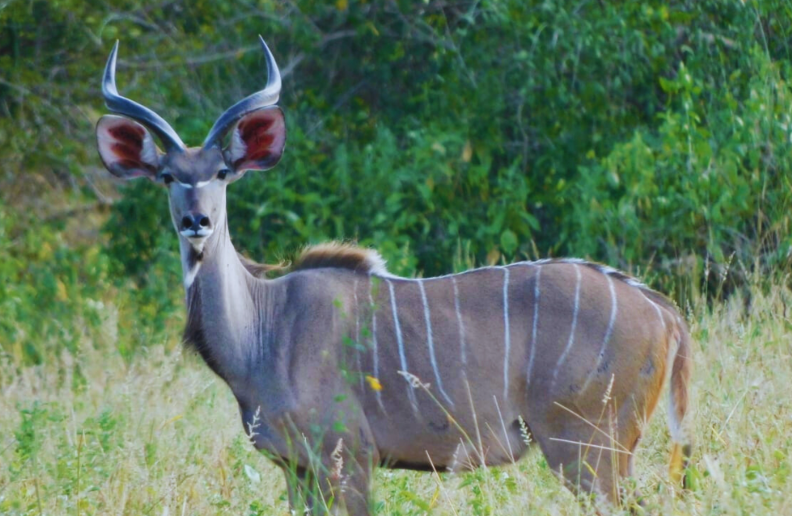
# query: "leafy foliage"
{"type": "Point", "coordinates": [649, 135]}
{"type": "Point", "coordinates": [654, 136]}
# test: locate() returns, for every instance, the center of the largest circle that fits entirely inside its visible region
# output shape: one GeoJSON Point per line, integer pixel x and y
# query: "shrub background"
{"type": "Point", "coordinates": [653, 136]}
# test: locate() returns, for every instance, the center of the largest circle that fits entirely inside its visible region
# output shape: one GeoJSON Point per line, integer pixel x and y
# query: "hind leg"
{"type": "Point", "coordinates": [357, 481]}
{"type": "Point", "coordinates": [591, 462]}
{"type": "Point", "coordinates": [299, 488]}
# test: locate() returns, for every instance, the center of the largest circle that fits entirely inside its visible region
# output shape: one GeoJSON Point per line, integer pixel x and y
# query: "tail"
{"type": "Point", "coordinates": [678, 405]}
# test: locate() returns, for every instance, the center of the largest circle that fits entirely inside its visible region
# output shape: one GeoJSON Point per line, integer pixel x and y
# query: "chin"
{"type": "Point", "coordinates": [198, 243]}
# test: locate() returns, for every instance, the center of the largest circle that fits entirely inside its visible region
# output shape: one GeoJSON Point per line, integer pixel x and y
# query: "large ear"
{"type": "Point", "coordinates": [126, 148]}
{"type": "Point", "coordinates": [257, 141]}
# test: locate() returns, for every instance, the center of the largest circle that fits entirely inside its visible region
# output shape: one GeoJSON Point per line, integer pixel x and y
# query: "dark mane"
{"type": "Point", "coordinates": [340, 256]}
{"type": "Point", "coordinates": [260, 270]}
{"type": "Point", "coordinates": [193, 337]}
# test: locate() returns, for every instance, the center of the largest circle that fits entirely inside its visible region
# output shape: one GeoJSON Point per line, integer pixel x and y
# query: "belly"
{"type": "Point", "coordinates": [424, 441]}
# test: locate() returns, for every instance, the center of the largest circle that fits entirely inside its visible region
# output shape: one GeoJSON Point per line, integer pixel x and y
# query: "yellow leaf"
{"type": "Point", "coordinates": [373, 383]}
{"type": "Point", "coordinates": [342, 5]}
{"type": "Point", "coordinates": [436, 495]}
{"type": "Point", "coordinates": [61, 294]}
{"type": "Point", "coordinates": [171, 420]}
{"type": "Point", "coordinates": [467, 152]}
{"type": "Point", "coordinates": [45, 251]}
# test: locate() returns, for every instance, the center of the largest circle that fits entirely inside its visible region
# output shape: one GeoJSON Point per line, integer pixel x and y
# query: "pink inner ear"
{"type": "Point", "coordinates": [262, 134]}
{"type": "Point", "coordinates": [126, 148]}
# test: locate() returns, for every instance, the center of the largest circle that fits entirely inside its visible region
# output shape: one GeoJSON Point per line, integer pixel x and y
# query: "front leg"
{"type": "Point", "coordinates": [330, 473]}
{"type": "Point", "coordinates": [298, 487]}
{"type": "Point", "coordinates": [336, 479]}
{"type": "Point", "coordinates": [325, 473]}
{"type": "Point", "coordinates": [357, 482]}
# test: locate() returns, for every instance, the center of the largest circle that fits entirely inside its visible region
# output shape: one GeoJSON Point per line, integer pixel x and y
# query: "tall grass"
{"type": "Point", "coordinates": [649, 134]}
{"type": "Point", "coordinates": [157, 433]}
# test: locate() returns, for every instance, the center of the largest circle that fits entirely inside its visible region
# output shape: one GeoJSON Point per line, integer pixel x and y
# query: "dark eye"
{"type": "Point", "coordinates": [166, 178]}
{"type": "Point", "coordinates": [222, 174]}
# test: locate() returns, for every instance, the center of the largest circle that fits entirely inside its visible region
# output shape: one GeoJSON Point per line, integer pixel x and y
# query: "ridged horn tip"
{"type": "Point", "coordinates": [263, 98]}
{"type": "Point", "coordinates": [124, 106]}
{"type": "Point", "coordinates": [108, 82]}
{"type": "Point", "coordinates": [273, 73]}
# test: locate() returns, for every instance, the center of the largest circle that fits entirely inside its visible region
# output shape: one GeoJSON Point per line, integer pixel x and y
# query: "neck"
{"type": "Point", "coordinates": [219, 304]}
{"type": "Point", "coordinates": [215, 252]}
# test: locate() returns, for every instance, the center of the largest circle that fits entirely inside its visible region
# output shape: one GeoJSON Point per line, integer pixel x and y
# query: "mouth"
{"type": "Point", "coordinates": [197, 238]}
{"type": "Point", "coordinates": [195, 234]}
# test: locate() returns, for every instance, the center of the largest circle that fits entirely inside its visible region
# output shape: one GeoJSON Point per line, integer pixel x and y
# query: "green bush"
{"type": "Point", "coordinates": [711, 180]}
{"type": "Point", "coordinates": [55, 296]}
{"type": "Point", "coordinates": [650, 135]}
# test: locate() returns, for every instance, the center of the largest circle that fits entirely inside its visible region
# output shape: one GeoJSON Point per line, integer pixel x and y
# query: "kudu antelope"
{"type": "Point", "coordinates": [448, 372]}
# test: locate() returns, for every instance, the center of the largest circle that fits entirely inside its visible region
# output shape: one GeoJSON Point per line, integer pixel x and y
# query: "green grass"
{"type": "Point", "coordinates": [94, 433]}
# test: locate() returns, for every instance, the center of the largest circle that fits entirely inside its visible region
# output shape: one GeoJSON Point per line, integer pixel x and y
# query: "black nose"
{"type": "Point", "coordinates": [195, 221]}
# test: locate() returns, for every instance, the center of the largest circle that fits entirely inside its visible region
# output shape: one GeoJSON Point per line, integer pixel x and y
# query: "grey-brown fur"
{"type": "Point", "coordinates": [297, 365]}
{"type": "Point", "coordinates": [340, 362]}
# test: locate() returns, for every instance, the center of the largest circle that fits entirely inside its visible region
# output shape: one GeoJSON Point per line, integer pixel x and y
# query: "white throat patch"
{"type": "Point", "coordinates": [189, 276]}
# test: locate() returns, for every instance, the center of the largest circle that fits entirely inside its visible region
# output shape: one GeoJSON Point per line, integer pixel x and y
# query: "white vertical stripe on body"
{"type": "Point", "coordinates": [430, 343]}
{"type": "Point", "coordinates": [400, 341]}
{"type": "Point", "coordinates": [657, 308]}
{"type": "Point", "coordinates": [608, 332]}
{"type": "Point", "coordinates": [375, 357]}
{"type": "Point", "coordinates": [461, 325]}
{"type": "Point", "coordinates": [506, 333]}
{"type": "Point", "coordinates": [571, 341]}
{"type": "Point", "coordinates": [535, 324]}
{"type": "Point", "coordinates": [357, 334]}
